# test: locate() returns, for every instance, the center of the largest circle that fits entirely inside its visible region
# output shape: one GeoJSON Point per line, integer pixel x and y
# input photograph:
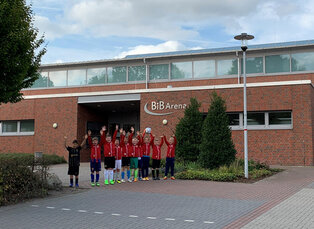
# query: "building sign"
{"type": "Point", "coordinates": [162, 108]}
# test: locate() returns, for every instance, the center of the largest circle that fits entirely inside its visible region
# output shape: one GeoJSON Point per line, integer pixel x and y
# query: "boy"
{"type": "Point", "coordinates": [145, 144]}
{"type": "Point", "coordinates": [117, 168]}
{"type": "Point", "coordinates": [170, 155]}
{"type": "Point", "coordinates": [126, 142]}
{"type": "Point", "coordinates": [140, 161]}
{"type": "Point", "coordinates": [156, 144]}
{"type": "Point", "coordinates": [74, 159]}
{"type": "Point", "coordinates": [109, 153]}
{"type": "Point", "coordinates": [95, 158]}
{"type": "Point", "coordinates": [135, 153]}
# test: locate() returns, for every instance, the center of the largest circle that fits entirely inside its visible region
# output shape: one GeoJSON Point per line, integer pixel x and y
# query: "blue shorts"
{"type": "Point", "coordinates": [95, 165]}
{"type": "Point", "coordinates": [140, 163]}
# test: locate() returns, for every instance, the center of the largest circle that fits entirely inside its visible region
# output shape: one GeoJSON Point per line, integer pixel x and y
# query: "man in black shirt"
{"type": "Point", "coordinates": [74, 159]}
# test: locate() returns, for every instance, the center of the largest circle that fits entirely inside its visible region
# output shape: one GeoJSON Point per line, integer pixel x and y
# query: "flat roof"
{"type": "Point", "coordinates": [281, 45]}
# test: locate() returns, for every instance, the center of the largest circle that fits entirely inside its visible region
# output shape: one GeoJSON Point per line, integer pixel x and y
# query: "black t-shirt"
{"type": "Point", "coordinates": [74, 156]}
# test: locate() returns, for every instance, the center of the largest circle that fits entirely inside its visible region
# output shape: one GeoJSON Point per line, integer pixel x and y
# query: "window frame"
{"type": "Point", "coordinates": [18, 133]}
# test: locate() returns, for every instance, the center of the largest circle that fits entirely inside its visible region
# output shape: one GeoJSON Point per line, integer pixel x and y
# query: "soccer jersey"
{"type": "Point", "coordinates": [135, 151]}
{"type": "Point", "coordinates": [118, 152]}
{"type": "Point", "coordinates": [109, 147]}
{"type": "Point", "coordinates": [74, 156]}
{"type": "Point", "coordinates": [94, 150]}
{"type": "Point", "coordinates": [157, 150]}
{"type": "Point", "coordinates": [171, 147]}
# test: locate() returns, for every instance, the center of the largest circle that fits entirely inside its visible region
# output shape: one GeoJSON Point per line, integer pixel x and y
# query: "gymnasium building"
{"type": "Point", "coordinates": [143, 90]}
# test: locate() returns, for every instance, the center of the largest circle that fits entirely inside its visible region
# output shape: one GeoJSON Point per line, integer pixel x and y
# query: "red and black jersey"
{"type": "Point", "coordinates": [146, 146]}
{"type": "Point", "coordinates": [135, 151]}
{"type": "Point", "coordinates": [171, 151]}
{"type": "Point", "coordinates": [95, 150]}
{"type": "Point", "coordinates": [109, 147]}
{"type": "Point", "coordinates": [157, 150]}
{"type": "Point", "coordinates": [118, 152]}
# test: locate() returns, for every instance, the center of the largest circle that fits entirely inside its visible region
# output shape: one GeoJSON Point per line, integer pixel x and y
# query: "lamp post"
{"type": "Point", "coordinates": [244, 37]}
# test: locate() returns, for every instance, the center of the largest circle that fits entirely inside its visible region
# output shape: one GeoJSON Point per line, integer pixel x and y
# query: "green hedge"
{"type": "Point", "coordinates": [25, 158]}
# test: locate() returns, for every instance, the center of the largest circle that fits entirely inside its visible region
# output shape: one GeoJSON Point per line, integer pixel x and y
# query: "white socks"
{"type": "Point", "coordinates": [106, 174]}
{"type": "Point", "coordinates": [110, 174]}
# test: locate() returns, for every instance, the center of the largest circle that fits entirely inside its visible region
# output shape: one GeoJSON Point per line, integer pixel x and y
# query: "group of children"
{"type": "Point", "coordinates": [127, 157]}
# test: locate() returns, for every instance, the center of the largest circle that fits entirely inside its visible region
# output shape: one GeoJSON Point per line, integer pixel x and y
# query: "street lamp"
{"type": "Point", "coordinates": [244, 37]}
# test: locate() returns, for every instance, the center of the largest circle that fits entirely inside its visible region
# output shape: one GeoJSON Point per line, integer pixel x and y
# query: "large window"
{"type": "Point", "coordinates": [181, 70]}
{"type": "Point", "coordinates": [96, 75]}
{"type": "Point", "coordinates": [302, 61]}
{"type": "Point", "coordinates": [58, 78]}
{"type": "Point", "coordinates": [23, 127]}
{"type": "Point", "coordinates": [255, 118]}
{"type": "Point", "coordinates": [76, 77]}
{"type": "Point", "coordinates": [158, 71]}
{"type": "Point", "coordinates": [253, 65]}
{"type": "Point", "coordinates": [227, 67]}
{"type": "Point", "coordinates": [280, 118]}
{"type": "Point", "coordinates": [137, 73]}
{"type": "Point", "coordinates": [204, 69]}
{"type": "Point", "coordinates": [277, 63]}
{"type": "Point", "coordinates": [42, 80]}
{"type": "Point", "coordinates": [234, 119]}
{"type": "Point", "coordinates": [116, 74]}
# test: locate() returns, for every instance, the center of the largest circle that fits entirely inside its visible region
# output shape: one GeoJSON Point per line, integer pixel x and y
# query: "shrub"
{"type": "Point", "coordinates": [212, 175]}
{"type": "Point", "coordinates": [28, 159]}
{"type": "Point", "coordinates": [258, 173]}
{"type": "Point", "coordinates": [188, 132]}
{"type": "Point", "coordinates": [217, 147]}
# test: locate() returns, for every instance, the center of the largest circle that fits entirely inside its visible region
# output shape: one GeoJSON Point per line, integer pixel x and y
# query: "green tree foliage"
{"type": "Point", "coordinates": [19, 55]}
{"type": "Point", "coordinates": [217, 147]}
{"type": "Point", "coordinates": [188, 132]}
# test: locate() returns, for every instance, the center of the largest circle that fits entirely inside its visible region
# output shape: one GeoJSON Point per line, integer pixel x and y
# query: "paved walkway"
{"type": "Point", "coordinates": [285, 200]}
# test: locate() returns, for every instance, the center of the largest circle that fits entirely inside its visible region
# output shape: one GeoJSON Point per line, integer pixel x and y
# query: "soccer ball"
{"type": "Point", "coordinates": [55, 125]}
{"type": "Point", "coordinates": [148, 130]}
{"type": "Point", "coordinates": [164, 121]}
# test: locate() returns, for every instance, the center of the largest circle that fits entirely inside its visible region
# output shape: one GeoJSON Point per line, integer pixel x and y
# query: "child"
{"type": "Point", "coordinates": [74, 159]}
{"type": "Point", "coordinates": [95, 158]}
{"type": "Point", "coordinates": [170, 155]}
{"type": "Point", "coordinates": [140, 161]}
{"type": "Point", "coordinates": [145, 144]}
{"type": "Point", "coordinates": [135, 153]}
{"type": "Point", "coordinates": [109, 153]}
{"type": "Point", "coordinates": [117, 168]}
{"type": "Point", "coordinates": [126, 143]}
{"type": "Point", "coordinates": [156, 144]}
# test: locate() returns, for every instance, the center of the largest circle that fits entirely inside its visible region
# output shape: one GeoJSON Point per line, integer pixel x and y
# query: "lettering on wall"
{"type": "Point", "coordinates": [163, 107]}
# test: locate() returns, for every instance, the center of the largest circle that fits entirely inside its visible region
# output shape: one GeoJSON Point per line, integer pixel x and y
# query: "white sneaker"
{"type": "Point", "coordinates": [123, 181]}
{"type": "Point", "coordinates": [129, 180]}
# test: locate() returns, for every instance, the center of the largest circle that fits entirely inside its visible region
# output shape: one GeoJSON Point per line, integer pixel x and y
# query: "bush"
{"type": "Point", "coordinates": [217, 147]}
{"type": "Point", "coordinates": [28, 159]}
{"type": "Point", "coordinates": [213, 175]}
{"type": "Point", "coordinates": [188, 132]}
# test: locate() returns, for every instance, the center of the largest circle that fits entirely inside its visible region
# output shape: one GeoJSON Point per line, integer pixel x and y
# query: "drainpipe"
{"type": "Point", "coordinates": [239, 80]}
{"type": "Point", "coordinates": [144, 60]}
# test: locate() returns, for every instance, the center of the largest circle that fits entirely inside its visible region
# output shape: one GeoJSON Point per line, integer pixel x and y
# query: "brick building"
{"type": "Point", "coordinates": [143, 90]}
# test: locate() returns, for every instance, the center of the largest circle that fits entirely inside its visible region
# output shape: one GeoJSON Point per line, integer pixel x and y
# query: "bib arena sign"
{"type": "Point", "coordinates": [162, 106]}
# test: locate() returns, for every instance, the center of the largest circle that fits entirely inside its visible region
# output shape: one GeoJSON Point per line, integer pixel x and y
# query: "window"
{"type": "Point", "coordinates": [158, 71]}
{"type": "Point", "coordinates": [277, 63]}
{"type": "Point", "coordinates": [96, 75]}
{"type": "Point", "coordinates": [255, 118]}
{"type": "Point", "coordinates": [58, 78]}
{"type": "Point", "coordinates": [227, 67]}
{"type": "Point", "coordinates": [280, 118]}
{"type": "Point", "coordinates": [181, 70]}
{"type": "Point", "coordinates": [137, 73]}
{"type": "Point", "coordinates": [42, 80]}
{"type": "Point", "coordinates": [253, 65]}
{"type": "Point", "coordinates": [116, 74]}
{"type": "Point", "coordinates": [302, 61]}
{"type": "Point", "coordinates": [234, 119]}
{"type": "Point", "coordinates": [204, 69]}
{"type": "Point", "coordinates": [23, 127]}
{"type": "Point", "coordinates": [76, 77]}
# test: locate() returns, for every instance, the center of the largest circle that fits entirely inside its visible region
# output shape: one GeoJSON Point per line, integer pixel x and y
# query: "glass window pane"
{"type": "Point", "coordinates": [96, 75]}
{"type": "Point", "coordinates": [77, 77]}
{"type": "Point", "coordinates": [137, 73]}
{"type": "Point", "coordinates": [302, 61]}
{"type": "Point", "coordinates": [253, 65]}
{"type": "Point", "coordinates": [277, 63]}
{"type": "Point", "coordinates": [182, 70]}
{"type": "Point", "coordinates": [27, 126]}
{"type": "Point", "coordinates": [234, 119]}
{"type": "Point", "coordinates": [58, 78]}
{"type": "Point", "coordinates": [280, 118]}
{"type": "Point", "coordinates": [9, 126]}
{"type": "Point", "coordinates": [227, 67]}
{"type": "Point", "coordinates": [116, 74]}
{"type": "Point", "coordinates": [158, 71]}
{"type": "Point", "coordinates": [256, 118]}
{"type": "Point", "coordinates": [204, 69]}
{"type": "Point", "coordinates": [42, 80]}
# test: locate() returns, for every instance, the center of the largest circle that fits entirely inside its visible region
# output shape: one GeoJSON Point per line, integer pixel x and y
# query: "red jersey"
{"type": "Point", "coordinates": [157, 150]}
{"type": "Point", "coordinates": [109, 147]}
{"type": "Point", "coordinates": [118, 152]}
{"type": "Point", "coordinates": [94, 150]}
{"type": "Point", "coordinates": [135, 151]}
{"type": "Point", "coordinates": [171, 151]}
{"type": "Point", "coordinates": [125, 147]}
{"type": "Point", "coordinates": [146, 146]}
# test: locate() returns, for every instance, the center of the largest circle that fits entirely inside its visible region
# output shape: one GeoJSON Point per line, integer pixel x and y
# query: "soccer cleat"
{"type": "Point", "coordinates": [165, 178]}
{"type": "Point", "coordinates": [147, 178]}
{"type": "Point", "coordinates": [118, 181]}
{"type": "Point", "coordinates": [77, 186]}
{"type": "Point", "coordinates": [154, 178]}
{"type": "Point", "coordinates": [140, 178]}
{"type": "Point", "coordinates": [71, 185]}
{"type": "Point", "coordinates": [123, 181]}
{"type": "Point", "coordinates": [135, 179]}
{"type": "Point", "coordinates": [97, 184]}
{"type": "Point", "coordinates": [106, 182]}
{"type": "Point", "coordinates": [157, 178]}
{"type": "Point", "coordinates": [112, 182]}
{"type": "Point", "coordinates": [129, 180]}
{"type": "Point", "coordinates": [173, 178]}
{"type": "Point", "coordinates": [92, 184]}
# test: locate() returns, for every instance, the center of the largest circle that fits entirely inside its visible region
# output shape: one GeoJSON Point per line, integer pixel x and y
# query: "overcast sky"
{"type": "Point", "coordinates": [82, 30]}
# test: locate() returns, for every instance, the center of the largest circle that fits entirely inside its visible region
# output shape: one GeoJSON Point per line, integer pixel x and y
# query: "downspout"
{"type": "Point", "coordinates": [239, 80]}
{"type": "Point", "coordinates": [144, 60]}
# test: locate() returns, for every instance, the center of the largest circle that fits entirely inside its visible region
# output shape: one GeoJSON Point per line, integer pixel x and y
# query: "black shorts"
{"type": "Point", "coordinates": [156, 164]}
{"type": "Point", "coordinates": [110, 162]}
{"type": "Point", "coordinates": [74, 170]}
{"type": "Point", "coordinates": [125, 161]}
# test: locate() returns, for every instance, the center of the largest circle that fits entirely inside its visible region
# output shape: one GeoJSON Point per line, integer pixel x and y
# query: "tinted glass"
{"type": "Point", "coordinates": [116, 74]}
{"type": "Point", "coordinates": [302, 61]}
{"type": "Point", "coordinates": [42, 80]}
{"type": "Point", "coordinates": [27, 126]}
{"type": "Point", "coordinates": [182, 70]}
{"type": "Point", "coordinates": [204, 69]}
{"type": "Point", "coordinates": [9, 126]}
{"type": "Point", "coordinates": [158, 71]}
{"type": "Point", "coordinates": [256, 119]}
{"type": "Point", "coordinates": [253, 65]}
{"type": "Point", "coordinates": [227, 67]}
{"type": "Point", "coordinates": [96, 75]}
{"type": "Point", "coordinates": [58, 78]}
{"type": "Point", "coordinates": [234, 119]}
{"type": "Point", "coordinates": [137, 73]}
{"type": "Point", "coordinates": [277, 63]}
{"type": "Point", "coordinates": [280, 118]}
{"type": "Point", "coordinates": [77, 77]}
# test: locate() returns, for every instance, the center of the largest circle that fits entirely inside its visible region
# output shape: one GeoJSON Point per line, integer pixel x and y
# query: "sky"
{"type": "Point", "coordinates": [84, 30]}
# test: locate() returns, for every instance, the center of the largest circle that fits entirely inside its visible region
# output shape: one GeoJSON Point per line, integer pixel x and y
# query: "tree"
{"type": "Point", "coordinates": [19, 55]}
{"type": "Point", "coordinates": [188, 132]}
{"type": "Point", "coordinates": [217, 147]}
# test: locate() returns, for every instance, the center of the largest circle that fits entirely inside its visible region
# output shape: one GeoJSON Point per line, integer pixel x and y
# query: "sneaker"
{"type": "Point", "coordinates": [154, 178]}
{"type": "Point", "coordinates": [112, 182]}
{"type": "Point", "coordinates": [71, 185]}
{"type": "Point", "coordinates": [123, 181]}
{"type": "Point", "coordinates": [118, 181]}
{"type": "Point", "coordinates": [157, 178]}
{"type": "Point", "coordinates": [106, 182]}
{"type": "Point", "coordinates": [135, 179]}
{"type": "Point", "coordinates": [173, 178]}
{"type": "Point", "coordinates": [92, 184]}
{"type": "Point", "coordinates": [147, 178]}
{"type": "Point", "coordinates": [77, 186]}
{"type": "Point", "coordinates": [165, 178]}
{"type": "Point", "coordinates": [129, 180]}
{"type": "Point", "coordinates": [140, 178]}
{"type": "Point", "coordinates": [97, 184]}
